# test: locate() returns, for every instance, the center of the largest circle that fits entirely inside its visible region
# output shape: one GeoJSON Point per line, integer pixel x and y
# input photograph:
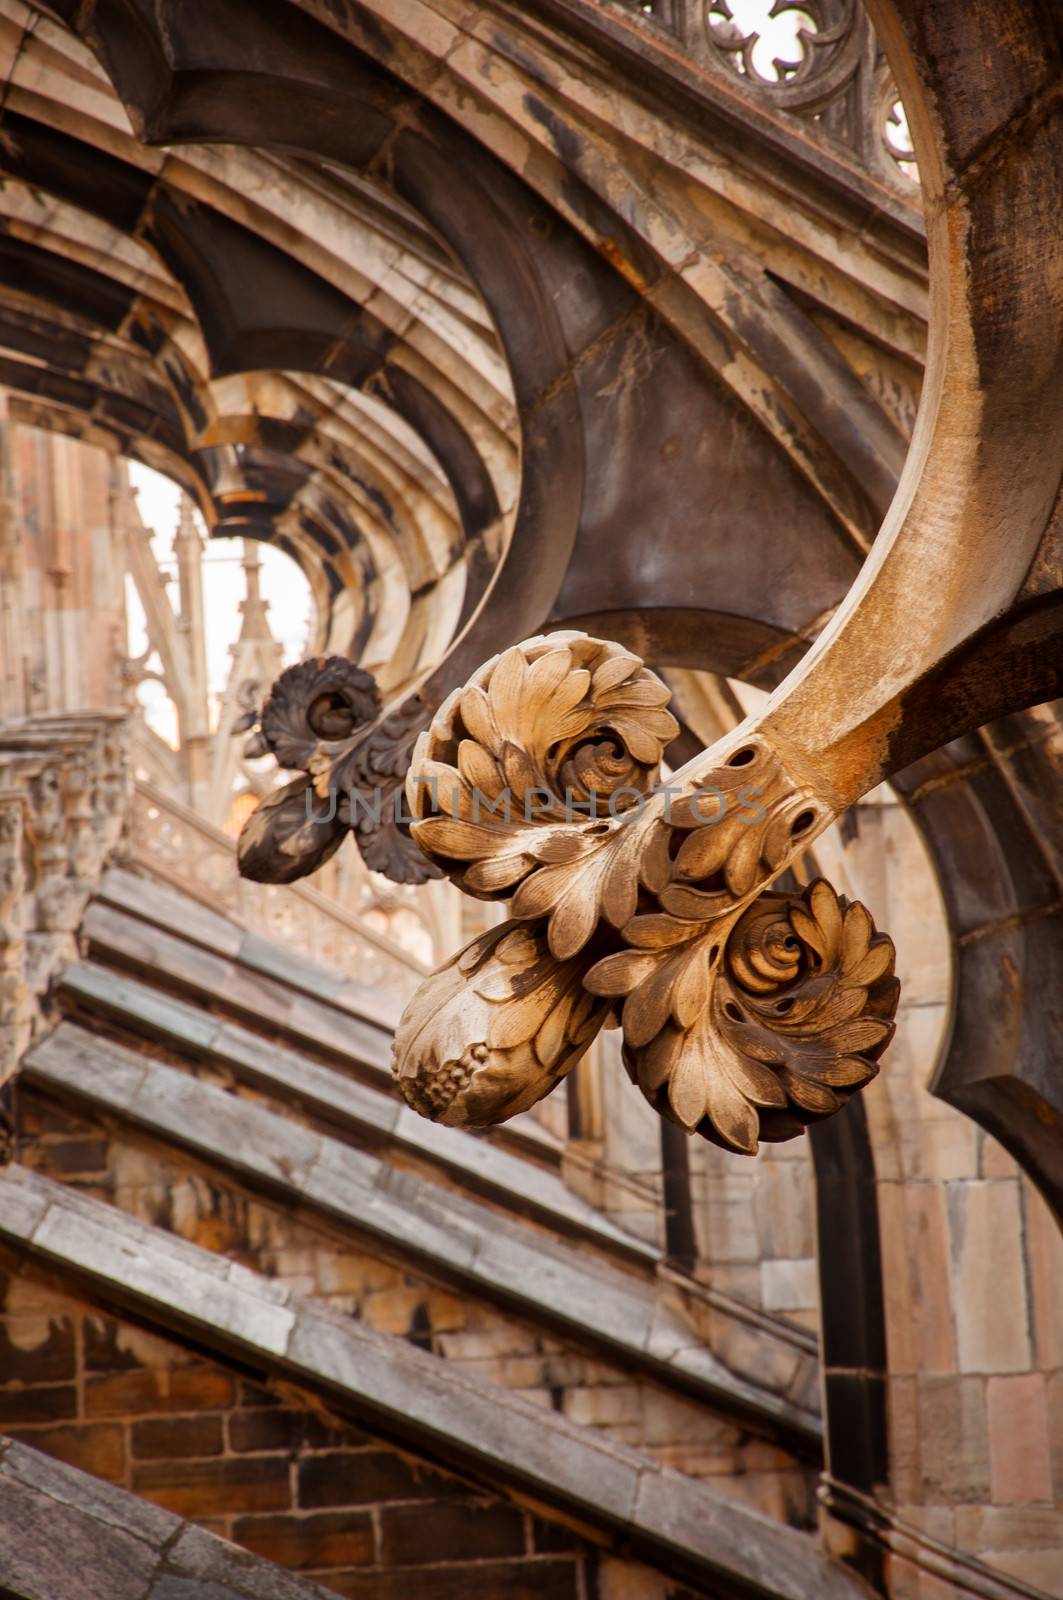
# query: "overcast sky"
{"type": "Point", "coordinates": [284, 588]}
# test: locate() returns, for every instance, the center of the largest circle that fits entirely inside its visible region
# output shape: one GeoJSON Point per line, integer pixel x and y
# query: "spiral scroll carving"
{"type": "Point", "coordinates": [746, 1014]}
{"type": "Point", "coordinates": [775, 1030]}
{"type": "Point", "coordinates": [323, 718]}
{"type": "Point", "coordinates": [314, 703]}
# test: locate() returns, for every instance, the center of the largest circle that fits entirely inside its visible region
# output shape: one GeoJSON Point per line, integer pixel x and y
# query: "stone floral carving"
{"type": "Point", "coordinates": [555, 728]}
{"type": "Point", "coordinates": [780, 1027]}
{"type": "Point", "coordinates": [323, 718]}
{"type": "Point", "coordinates": [745, 1014]}
{"type": "Point", "coordinates": [315, 705]}
{"type": "Point", "coordinates": [495, 1029]}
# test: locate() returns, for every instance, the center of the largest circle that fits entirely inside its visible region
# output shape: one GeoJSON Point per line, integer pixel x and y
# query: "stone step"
{"type": "Point", "coordinates": [67, 1536]}
{"type": "Point", "coordinates": [371, 1115]}
{"type": "Point", "coordinates": [160, 905]}
{"type": "Point", "coordinates": [173, 940]}
{"type": "Point", "coordinates": [213, 978]}
{"type": "Point", "coordinates": [498, 1438]}
{"type": "Point", "coordinates": [619, 1315]}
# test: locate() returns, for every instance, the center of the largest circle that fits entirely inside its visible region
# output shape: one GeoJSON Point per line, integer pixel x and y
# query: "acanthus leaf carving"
{"type": "Point", "coordinates": [746, 1014]}
{"type": "Point", "coordinates": [288, 835]}
{"type": "Point", "coordinates": [752, 1033]}
{"type": "Point", "coordinates": [322, 718]}
{"type": "Point", "coordinates": [560, 728]}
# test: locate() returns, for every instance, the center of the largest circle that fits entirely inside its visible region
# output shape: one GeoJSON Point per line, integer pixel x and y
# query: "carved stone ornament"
{"type": "Point", "coordinates": [323, 718]}
{"type": "Point", "coordinates": [64, 798]}
{"type": "Point", "coordinates": [315, 705]}
{"type": "Point", "coordinates": [829, 46]}
{"type": "Point", "coordinates": [746, 1014]}
{"type": "Point", "coordinates": [287, 835]}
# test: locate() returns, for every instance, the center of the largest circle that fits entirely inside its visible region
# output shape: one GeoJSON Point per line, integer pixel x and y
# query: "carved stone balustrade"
{"type": "Point", "coordinates": [173, 842]}
{"type": "Point", "coordinates": [818, 60]}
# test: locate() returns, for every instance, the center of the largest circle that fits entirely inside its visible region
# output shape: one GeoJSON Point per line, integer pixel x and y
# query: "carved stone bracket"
{"type": "Point", "coordinates": [323, 718]}
{"type": "Point", "coordinates": [745, 1014]}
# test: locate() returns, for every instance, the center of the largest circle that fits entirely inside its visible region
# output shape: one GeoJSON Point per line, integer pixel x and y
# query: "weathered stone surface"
{"type": "Point", "coordinates": [159, 905]}
{"type": "Point", "coordinates": [679, 1516]}
{"type": "Point", "coordinates": [178, 1279]}
{"type": "Point", "coordinates": [984, 1228]}
{"type": "Point", "coordinates": [66, 1536]}
{"type": "Point", "coordinates": [242, 991]}
{"type": "Point", "coordinates": [109, 1506]}
{"type": "Point", "coordinates": [114, 994]}
{"type": "Point", "coordinates": [489, 1432]}
{"type": "Point", "coordinates": [166, 908]}
{"type": "Point", "coordinates": [495, 1431]}
{"type": "Point", "coordinates": [342, 1099]}
{"type": "Point", "coordinates": [451, 1235]}
{"type": "Point", "coordinates": [288, 966]}
{"type": "Point", "coordinates": [954, 1465]}
{"type": "Point", "coordinates": [24, 1207]}
{"type": "Point", "coordinates": [192, 967]}
{"type": "Point", "coordinates": [173, 1103]}
{"type": "Point", "coordinates": [788, 1285]}
{"type": "Point", "coordinates": [482, 1164]}
{"type": "Point", "coordinates": [79, 1061]}
{"type": "Point", "coordinates": [1020, 1466]}
{"type": "Point", "coordinates": [338, 983]}
{"type": "Point", "coordinates": [48, 1550]}
{"type": "Point", "coordinates": [357, 1193]}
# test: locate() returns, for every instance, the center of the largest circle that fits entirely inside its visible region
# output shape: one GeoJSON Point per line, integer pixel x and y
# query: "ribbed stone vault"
{"type": "Point", "coordinates": [291, 343]}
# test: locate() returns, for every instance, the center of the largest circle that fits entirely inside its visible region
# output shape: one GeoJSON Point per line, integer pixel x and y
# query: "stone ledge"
{"type": "Point", "coordinates": [67, 1536]}
{"type": "Point", "coordinates": [161, 906]}
{"type": "Point", "coordinates": [373, 1115]}
{"type": "Point", "coordinates": [452, 1237]}
{"type": "Point", "coordinates": [244, 992]}
{"type": "Point", "coordinates": [493, 1435]}
{"type": "Point", "coordinates": [169, 936]}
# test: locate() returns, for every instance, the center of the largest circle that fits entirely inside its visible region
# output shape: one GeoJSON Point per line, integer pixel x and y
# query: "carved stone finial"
{"type": "Point", "coordinates": [746, 1014]}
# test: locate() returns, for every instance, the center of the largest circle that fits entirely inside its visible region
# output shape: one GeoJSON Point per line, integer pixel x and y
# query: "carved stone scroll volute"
{"type": "Point", "coordinates": [745, 1014]}
{"type": "Point", "coordinates": [323, 718]}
